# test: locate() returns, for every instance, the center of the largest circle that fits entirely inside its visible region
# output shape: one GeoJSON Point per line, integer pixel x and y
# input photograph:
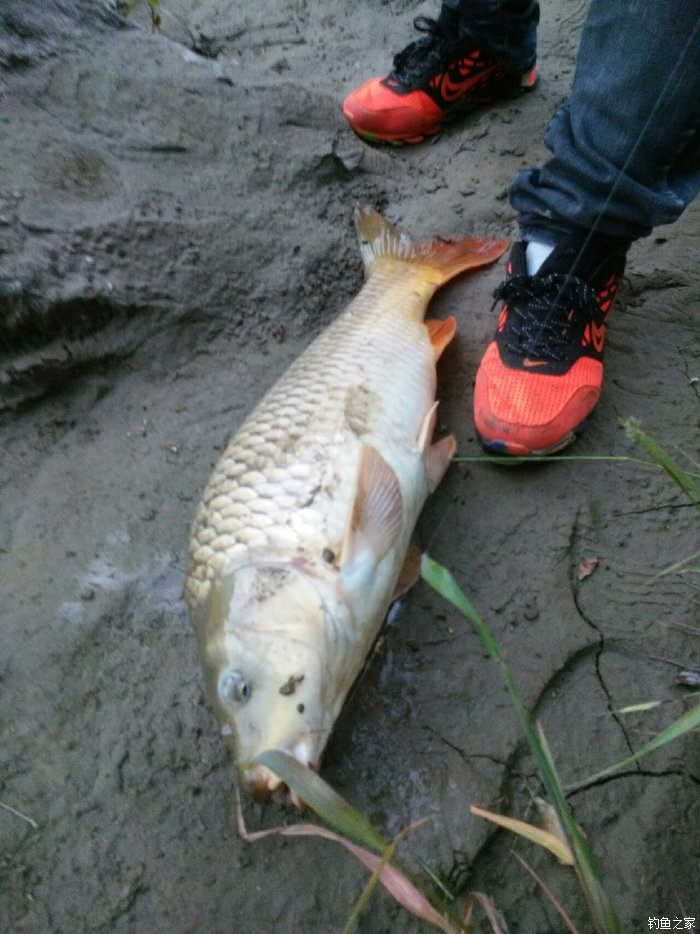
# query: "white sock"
{"type": "Point", "coordinates": [535, 254]}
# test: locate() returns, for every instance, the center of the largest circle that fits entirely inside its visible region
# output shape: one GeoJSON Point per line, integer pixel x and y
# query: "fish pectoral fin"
{"type": "Point", "coordinates": [376, 514]}
{"type": "Point", "coordinates": [440, 334]}
{"type": "Point", "coordinates": [409, 573]}
{"type": "Point", "coordinates": [437, 460]}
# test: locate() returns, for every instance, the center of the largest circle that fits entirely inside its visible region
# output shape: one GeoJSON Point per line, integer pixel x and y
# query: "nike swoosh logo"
{"type": "Point", "coordinates": [597, 336]}
{"type": "Point", "coordinates": [452, 88]}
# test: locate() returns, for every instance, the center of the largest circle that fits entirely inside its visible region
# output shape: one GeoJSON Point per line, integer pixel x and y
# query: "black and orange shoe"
{"type": "Point", "coordinates": [541, 376]}
{"type": "Point", "coordinates": [433, 79]}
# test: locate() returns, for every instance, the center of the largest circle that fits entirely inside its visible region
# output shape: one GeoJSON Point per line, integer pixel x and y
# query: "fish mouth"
{"type": "Point", "coordinates": [264, 785]}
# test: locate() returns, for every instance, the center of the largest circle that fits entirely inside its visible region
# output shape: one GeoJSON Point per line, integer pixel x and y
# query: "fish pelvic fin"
{"type": "Point", "coordinates": [437, 456]}
{"type": "Point", "coordinates": [374, 520]}
{"type": "Point", "coordinates": [437, 459]}
{"type": "Point", "coordinates": [409, 573]}
{"type": "Point", "coordinates": [441, 259]}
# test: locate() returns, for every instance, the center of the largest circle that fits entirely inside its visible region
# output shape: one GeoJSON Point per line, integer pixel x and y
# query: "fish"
{"type": "Point", "coordinates": [302, 538]}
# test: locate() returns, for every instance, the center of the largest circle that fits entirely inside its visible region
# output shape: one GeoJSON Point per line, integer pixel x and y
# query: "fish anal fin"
{"type": "Point", "coordinates": [409, 573]}
{"type": "Point", "coordinates": [376, 514]}
{"type": "Point", "coordinates": [440, 334]}
{"type": "Point", "coordinates": [437, 460]}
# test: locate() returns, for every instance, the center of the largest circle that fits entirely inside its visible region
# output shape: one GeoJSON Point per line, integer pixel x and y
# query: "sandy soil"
{"type": "Point", "coordinates": [174, 227]}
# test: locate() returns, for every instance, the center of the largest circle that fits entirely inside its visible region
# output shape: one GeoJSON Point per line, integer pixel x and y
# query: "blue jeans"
{"type": "Point", "coordinates": [626, 144]}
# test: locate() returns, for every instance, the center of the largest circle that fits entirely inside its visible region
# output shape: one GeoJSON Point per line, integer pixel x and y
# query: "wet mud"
{"type": "Point", "coordinates": [175, 225]}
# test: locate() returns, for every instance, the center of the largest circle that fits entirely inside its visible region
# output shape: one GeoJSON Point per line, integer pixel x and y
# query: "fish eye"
{"type": "Point", "coordinates": [233, 686]}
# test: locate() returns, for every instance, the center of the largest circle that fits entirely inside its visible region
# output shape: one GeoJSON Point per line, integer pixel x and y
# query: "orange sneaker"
{"type": "Point", "coordinates": [433, 79]}
{"type": "Point", "coordinates": [541, 376]}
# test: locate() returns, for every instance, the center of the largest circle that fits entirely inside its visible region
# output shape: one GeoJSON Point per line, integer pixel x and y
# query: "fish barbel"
{"type": "Point", "coordinates": [303, 530]}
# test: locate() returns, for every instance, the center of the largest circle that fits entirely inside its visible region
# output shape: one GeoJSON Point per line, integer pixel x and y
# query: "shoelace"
{"type": "Point", "coordinates": [548, 314]}
{"type": "Point", "coordinates": [421, 59]}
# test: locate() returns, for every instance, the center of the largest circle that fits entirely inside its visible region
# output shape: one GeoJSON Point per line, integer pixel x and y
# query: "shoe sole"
{"type": "Point", "coordinates": [508, 449]}
{"type": "Point", "coordinates": [399, 141]}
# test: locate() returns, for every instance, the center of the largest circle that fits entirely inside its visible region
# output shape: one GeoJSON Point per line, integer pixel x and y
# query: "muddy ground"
{"type": "Point", "coordinates": [174, 227]}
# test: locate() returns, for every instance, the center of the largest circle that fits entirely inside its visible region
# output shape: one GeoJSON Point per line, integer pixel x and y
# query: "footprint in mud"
{"type": "Point", "coordinates": [78, 174]}
{"type": "Point", "coordinates": [69, 183]}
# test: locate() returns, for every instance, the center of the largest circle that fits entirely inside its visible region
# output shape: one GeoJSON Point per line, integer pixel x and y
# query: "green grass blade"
{"type": "Point", "coordinates": [508, 461]}
{"type": "Point", "coordinates": [601, 910]}
{"type": "Point", "coordinates": [681, 477]}
{"type": "Point", "coordinates": [602, 913]}
{"type": "Point", "coordinates": [681, 567]}
{"type": "Point", "coordinates": [689, 721]}
{"type": "Point", "coordinates": [438, 883]}
{"type": "Point", "coordinates": [321, 798]}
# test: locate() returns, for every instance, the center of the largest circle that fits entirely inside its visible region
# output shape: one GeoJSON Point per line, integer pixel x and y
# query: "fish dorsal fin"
{"type": "Point", "coordinates": [379, 238]}
{"type": "Point", "coordinates": [440, 259]}
{"type": "Point", "coordinates": [440, 334]}
{"type": "Point", "coordinates": [376, 514]}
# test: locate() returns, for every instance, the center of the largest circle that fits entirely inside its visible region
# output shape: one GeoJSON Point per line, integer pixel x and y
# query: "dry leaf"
{"type": "Point", "coordinates": [550, 820]}
{"type": "Point", "coordinates": [542, 837]}
{"type": "Point", "coordinates": [586, 567]}
{"type": "Point", "coordinates": [393, 880]}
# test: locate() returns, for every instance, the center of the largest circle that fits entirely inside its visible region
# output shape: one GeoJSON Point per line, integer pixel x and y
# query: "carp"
{"type": "Point", "coordinates": [300, 542]}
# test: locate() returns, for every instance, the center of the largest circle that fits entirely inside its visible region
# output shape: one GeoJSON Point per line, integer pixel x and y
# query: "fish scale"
{"type": "Point", "coordinates": [298, 543]}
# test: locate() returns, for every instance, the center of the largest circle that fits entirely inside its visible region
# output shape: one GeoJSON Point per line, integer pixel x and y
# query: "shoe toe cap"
{"type": "Point", "coordinates": [527, 412]}
{"type": "Point", "coordinates": [373, 109]}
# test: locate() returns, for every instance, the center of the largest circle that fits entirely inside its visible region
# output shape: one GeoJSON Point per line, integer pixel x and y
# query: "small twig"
{"type": "Point", "coordinates": [7, 807]}
{"type": "Point", "coordinates": [548, 892]}
{"type": "Point", "coordinates": [691, 630]}
{"type": "Point", "coordinates": [660, 658]}
{"type": "Point", "coordinates": [489, 907]}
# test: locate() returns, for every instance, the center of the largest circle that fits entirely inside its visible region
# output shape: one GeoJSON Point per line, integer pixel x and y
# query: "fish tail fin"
{"type": "Point", "coordinates": [440, 259]}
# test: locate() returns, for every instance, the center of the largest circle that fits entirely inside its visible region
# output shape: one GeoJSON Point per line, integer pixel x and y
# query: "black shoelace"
{"type": "Point", "coordinates": [548, 314]}
{"type": "Point", "coordinates": [425, 57]}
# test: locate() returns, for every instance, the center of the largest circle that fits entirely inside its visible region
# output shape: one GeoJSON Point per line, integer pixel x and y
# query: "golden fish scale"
{"type": "Point", "coordinates": [284, 483]}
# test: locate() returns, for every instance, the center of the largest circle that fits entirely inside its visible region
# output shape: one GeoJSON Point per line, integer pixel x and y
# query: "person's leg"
{"type": "Point", "coordinates": [625, 158]}
{"type": "Point", "coordinates": [626, 145]}
{"type": "Point", "coordinates": [505, 29]}
{"type": "Point", "coordinates": [476, 51]}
